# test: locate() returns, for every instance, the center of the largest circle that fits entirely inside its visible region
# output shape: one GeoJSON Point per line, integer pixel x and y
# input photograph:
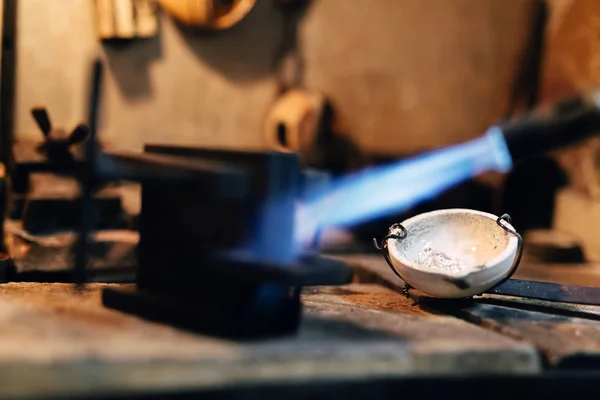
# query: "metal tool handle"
{"type": "Point", "coordinates": [572, 121]}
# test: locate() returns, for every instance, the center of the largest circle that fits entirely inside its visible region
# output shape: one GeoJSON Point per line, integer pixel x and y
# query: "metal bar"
{"type": "Point", "coordinates": [549, 291]}
{"type": "Point", "coordinates": [212, 177]}
{"type": "Point", "coordinates": [87, 182]}
{"type": "Point", "coordinates": [307, 271]}
{"type": "Point", "coordinates": [7, 80]}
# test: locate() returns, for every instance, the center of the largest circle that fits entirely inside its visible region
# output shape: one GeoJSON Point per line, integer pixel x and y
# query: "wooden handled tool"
{"type": "Point", "coordinates": [208, 14]}
{"type": "Point", "coordinates": [126, 19]}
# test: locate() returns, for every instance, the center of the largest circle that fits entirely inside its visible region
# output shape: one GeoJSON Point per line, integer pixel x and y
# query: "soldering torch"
{"type": "Point", "coordinates": [380, 191]}
{"type": "Point", "coordinates": [568, 122]}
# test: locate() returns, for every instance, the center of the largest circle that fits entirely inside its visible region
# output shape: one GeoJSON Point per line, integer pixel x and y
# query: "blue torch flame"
{"type": "Point", "coordinates": [380, 191]}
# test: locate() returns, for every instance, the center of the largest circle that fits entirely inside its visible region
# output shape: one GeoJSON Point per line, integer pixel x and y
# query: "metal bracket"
{"type": "Point", "coordinates": [399, 232]}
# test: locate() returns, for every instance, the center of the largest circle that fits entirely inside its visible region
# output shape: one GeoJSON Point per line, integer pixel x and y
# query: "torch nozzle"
{"type": "Point", "coordinates": [569, 122]}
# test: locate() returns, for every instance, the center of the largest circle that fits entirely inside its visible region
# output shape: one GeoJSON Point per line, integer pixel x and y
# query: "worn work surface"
{"type": "Point", "coordinates": [566, 335]}
{"type": "Point", "coordinates": [53, 252]}
{"type": "Point", "coordinates": [56, 340]}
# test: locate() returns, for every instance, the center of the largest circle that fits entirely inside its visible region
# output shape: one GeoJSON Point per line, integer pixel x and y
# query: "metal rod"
{"type": "Point", "coordinates": [87, 181]}
{"type": "Point", "coordinates": [7, 103]}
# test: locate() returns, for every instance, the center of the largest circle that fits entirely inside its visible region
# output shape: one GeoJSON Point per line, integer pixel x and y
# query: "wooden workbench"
{"type": "Point", "coordinates": [57, 342]}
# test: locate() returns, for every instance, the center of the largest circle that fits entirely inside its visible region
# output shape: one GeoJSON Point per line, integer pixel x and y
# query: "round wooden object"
{"type": "Point", "coordinates": [291, 123]}
{"type": "Point", "coordinates": [208, 14]}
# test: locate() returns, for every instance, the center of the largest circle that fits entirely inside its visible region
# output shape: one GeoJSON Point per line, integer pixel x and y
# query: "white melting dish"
{"type": "Point", "coordinates": [453, 253]}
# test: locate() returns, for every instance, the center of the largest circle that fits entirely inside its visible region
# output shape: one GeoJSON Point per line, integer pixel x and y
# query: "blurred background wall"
{"type": "Point", "coordinates": [406, 75]}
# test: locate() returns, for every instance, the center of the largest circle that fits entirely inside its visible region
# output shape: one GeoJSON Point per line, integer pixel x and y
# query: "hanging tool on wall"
{"type": "Point", "coordinates": [526, 89]}
{"type": "Point", "coordinates": [213, 15]}
{"type": "Point", "coordinates": [292, 121]}
{"type": "Point", "coordinates": [290, 65]}
{"type": "Point", "coordinates": [126, 19]}
{"type": "Point", "coordinates": [301, 120]}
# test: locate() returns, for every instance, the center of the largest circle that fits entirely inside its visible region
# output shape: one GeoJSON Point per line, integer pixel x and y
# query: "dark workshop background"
{"type": "Point", "coordinates": [405, 76]}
